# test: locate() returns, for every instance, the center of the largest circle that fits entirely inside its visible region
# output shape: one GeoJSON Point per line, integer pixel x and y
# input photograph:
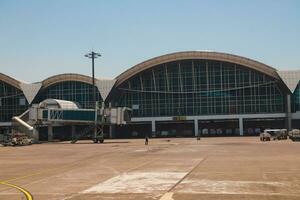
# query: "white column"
{"type": "Point", "coordinates": [35, 135]}
{"type": "Point", "coordinates": [112, 130]}
{"type": "Point", "coordinates": [50, 132]}
{"type": "Point", "coordinates": [153, 128]}
{"type": "Point", "coordinates": [241, 126]}
{"type": "Point", "coordinates": [196, 128]}
{"type": "Point", "coordinates": [73, 131]}
{"type": "Point", "coordinates": [288, 112]}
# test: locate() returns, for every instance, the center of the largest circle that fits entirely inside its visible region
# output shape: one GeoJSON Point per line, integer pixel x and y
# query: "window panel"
{"type": "Point", "coordinates": [203, 87]}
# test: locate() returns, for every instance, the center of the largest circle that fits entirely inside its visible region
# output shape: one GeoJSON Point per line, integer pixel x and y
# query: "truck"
{"type": "Point", "coordinates": [16, 139]}
{"type": "Point", "coordinates": [294, 135]}
{"type": "Point", "coordinates": [265, 136]}
{"type": "Point", "coordinates": [273, 134]}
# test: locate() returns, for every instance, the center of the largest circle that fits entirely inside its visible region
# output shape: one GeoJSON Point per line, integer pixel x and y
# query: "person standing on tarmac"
{"type": "Point", "coordinates": [146, 139]}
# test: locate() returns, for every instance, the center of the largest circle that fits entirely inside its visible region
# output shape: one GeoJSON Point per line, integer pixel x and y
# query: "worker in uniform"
{"type": "Point", "coordinates": [146, 139]}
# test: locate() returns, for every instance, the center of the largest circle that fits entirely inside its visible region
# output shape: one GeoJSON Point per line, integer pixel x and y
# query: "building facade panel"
{"type": "Point", "coordinates": [200, 87]}
{"type": "Point", "coordinates": [296, 99]}
{"type": "Point", "coordinates": [12, 101]}
{"type": "Point", "coordinates": [77, 91]}
{"type": "Point", "coordinates": [188, 92]}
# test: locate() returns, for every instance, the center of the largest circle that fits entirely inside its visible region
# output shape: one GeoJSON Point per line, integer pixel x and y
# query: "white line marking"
{"type": "Point", "coordinates": [167, 196]}
{"type": "Point", "coordinates": [232, 187]}
{"type": "Point", "coordinates": [137, 182]}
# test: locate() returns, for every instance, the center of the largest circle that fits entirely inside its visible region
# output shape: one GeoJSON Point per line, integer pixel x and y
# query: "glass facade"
{"type": "Point", "coordinates": [76, 91]}
{"type": "Point", "coordinates": [12, 102]}
{"type": "Point", "coordinates": [296, 99]}
{"type": "Point", "coordinates": [200, 87]}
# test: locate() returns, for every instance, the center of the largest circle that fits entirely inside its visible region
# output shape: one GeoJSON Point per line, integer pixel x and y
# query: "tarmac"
{"type": "Point", "coordinates": [166, 169]}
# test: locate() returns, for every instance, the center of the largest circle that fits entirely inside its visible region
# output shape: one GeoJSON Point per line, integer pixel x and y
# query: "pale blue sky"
{"type": "Point", "coordinates": [43, 38]}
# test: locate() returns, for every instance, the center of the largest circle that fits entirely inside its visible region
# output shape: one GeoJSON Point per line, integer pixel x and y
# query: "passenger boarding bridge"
{"type": "Point", "coordinates": [53, 112]}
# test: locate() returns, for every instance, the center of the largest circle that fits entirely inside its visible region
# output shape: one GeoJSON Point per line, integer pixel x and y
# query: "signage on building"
{"type": "Point", "coordinates": [22, 101]}
{"type": "Point", "coordinates": [135, 107]}
{"type": "Point", "coordinates": [179, 118]}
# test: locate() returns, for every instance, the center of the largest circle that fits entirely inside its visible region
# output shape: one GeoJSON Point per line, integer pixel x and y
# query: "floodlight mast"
{"type": "Point", "coordinates": [93, 55]}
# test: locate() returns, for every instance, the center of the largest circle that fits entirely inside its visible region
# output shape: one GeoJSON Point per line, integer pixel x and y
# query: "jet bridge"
{"type": "Point", "coordinates": [54, 112]}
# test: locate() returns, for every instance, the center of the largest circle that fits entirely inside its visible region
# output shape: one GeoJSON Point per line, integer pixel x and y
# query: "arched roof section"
{"type": "Point", "coordinates": [56, 103]}
{"type": "Point", "coordinates": [207, 55]}
{"type": "Point", "coordinates": [67, 77]}
{"type": "Point", "coordinates": [11, 81]}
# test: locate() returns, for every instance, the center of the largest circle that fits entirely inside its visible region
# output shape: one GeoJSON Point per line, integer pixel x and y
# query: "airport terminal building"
{"type": "Point", "coordinates": [178, 94]}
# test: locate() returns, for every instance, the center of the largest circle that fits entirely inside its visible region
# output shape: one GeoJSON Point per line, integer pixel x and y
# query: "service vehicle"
{"type": "Point", "coordinates": [273, 134]}
{"type": "Point", "coordinates": [294, 135]}
{"type": "Point", "coordinates": [17, 139]}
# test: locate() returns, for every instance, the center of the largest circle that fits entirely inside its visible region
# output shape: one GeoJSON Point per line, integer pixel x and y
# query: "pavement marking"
{"type": "Point", "coordinates": [137, 182]}
{"type": "Point", "coordinates": [167, 196]}
{"type": "Point", "coordinates": [141, 150]}
{"type": "Point", "coordinates": [204, 186]}
{"type": "Point", "coordinates": [72, 164]}
{"type": "Point", "coordinates": [127, 171]}
{"type": "Point", "coordinates": [201, 161]}
{"type": "Point", "coordinates": [141, 165]}
{"type": "Point", "coordinates": [43, 172]}
{"type": "Point", "coordinates": [25, 192]}
{"type": "Point", "coordinates": [143, 182]}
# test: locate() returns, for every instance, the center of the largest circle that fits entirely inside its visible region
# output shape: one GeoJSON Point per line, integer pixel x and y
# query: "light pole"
{"type": "Point", "coordinates": [92, 55]}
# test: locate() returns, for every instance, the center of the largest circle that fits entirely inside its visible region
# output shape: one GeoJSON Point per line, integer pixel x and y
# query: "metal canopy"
{"type": "Point", "coordinates": [105, 86]}
{"type": "Point", "coordinates": [290, 78]}
{"type": "Point", "coordinates": [56, 103]}
{"type": "Point", "coordinates": [30, 90]}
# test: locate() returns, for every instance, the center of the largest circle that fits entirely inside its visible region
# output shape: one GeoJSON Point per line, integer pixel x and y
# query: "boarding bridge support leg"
{"type": "Point", "coordinates": [196, 128]}
{"type": "Point", "coordinates": [35, 135]}
{"type": "Point", "coordinates": [50, 133]}
{"type": "Point", "coordinates": [112, 131]}
{"type": "Point", "coordinates": [73, 131]}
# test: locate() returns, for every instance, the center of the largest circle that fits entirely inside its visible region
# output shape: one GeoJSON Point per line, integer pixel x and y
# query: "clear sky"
{"type": "Point", "coordinates": [43, 38]}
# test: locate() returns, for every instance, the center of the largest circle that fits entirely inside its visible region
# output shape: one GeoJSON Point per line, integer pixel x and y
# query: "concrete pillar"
{"type": "Point", "coordinates": [112, 129]}
{"type": "Point", "coordinates": [35, 135]}
{"type": "Point", "coordinates": [153, 128]}
{"type": "Point", "coordinates": [241, 126]}
{"type": "Point", "coordinates": [50, 132]}
{"type": "Point", "coordinates": [288, 113]}
{"type": "Point", "coordinates": [196, 128]}
{"type": "Point", "coordinates": [73, 131]}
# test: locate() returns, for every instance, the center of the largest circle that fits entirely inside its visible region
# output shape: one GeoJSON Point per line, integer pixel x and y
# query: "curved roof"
{"type": "Point", "coordinates": [104, 85]}
{"type": "Point", "coordinates": [66, 77]}
{"type": "Point", "coordinates": [56, 103]}
{"type": "Point", "coordinates": [11, 81]}
{"type": "Point", "coordinates": [208, 55]}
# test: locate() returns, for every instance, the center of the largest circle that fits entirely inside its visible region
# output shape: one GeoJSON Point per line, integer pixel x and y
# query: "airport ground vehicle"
{"type": "Point", "coordinates": [283, 134]}
{"type": "Point", "coordinates": [265, 136]}
{"type": "Point", "coordinates": [273, 134]}
{"type": "Point", "coordinates": [294, 135]}
{"type": "Point", "coordinates": [17, 139]}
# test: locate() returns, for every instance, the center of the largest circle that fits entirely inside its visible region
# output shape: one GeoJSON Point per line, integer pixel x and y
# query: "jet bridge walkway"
{"type": "Point", "coordinates": [59, 112]}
